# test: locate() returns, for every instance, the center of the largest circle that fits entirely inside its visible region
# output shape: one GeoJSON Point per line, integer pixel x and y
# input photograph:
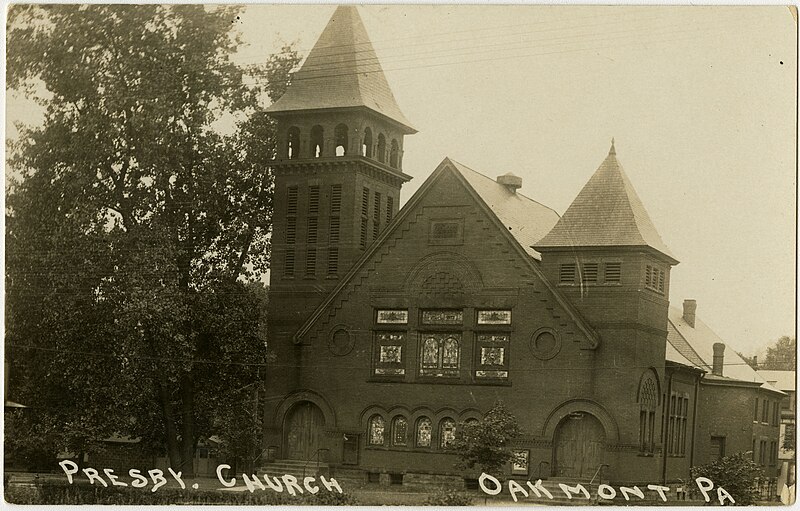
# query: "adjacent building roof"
{"type": "Point", "coordinates": [606, 213]}
{"type": "Point", "coordinates": [781, 380]}
{"type": "Point", "coordinates": [696, 345]}
{"type": "Point", "coordinates": [342, 71]}
{"type": "Point", "coordinates": [527, 220]}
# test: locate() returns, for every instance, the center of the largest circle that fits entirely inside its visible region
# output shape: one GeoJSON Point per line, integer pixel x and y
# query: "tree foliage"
{"type": "Point", "coordinates": [737, 473]}
{"type": "Point", "coordinates": [782, 355]}
{"type": "Point", "coordinates": [485, 443]}
{"type": "Point", "coordinates": [136, 230]}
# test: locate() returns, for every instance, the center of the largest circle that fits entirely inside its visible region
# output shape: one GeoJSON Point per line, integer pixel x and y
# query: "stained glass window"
{"type": "Point", "coordinates": [492, 361]}
{"type": "Point", "coordinates": [424, 432]}
{"type": "Point", "coordinates": [440, 355]}
{"type": "Point", "coordinates": [494, 317]}
{"type": "Point", "coordinates": [442, 317]}
{"type": "Point", "coordinates": [399, 430]}
{"type": "Point", "coordinates": [447, 433]}
{"type": "Point", "coordinates": [389, 353]}
{"type": "Point", "coordinates": [376, 429]}
{"type": "Point", "coordinates": [393, 317]}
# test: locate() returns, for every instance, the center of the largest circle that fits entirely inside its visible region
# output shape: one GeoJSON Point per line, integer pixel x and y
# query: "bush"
{"type": "Point", "coordinates": [448, 498]}
{"type": "Point", "coordinates": [64, 493]}
{"type": "Point", "coordinates": [736, 473]}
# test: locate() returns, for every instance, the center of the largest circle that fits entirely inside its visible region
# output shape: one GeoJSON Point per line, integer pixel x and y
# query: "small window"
{"type": "Point", "coordinates": [399, 431]}
{"type": "Point", "coordinates": [446, 232]}
{"type": "Point", "coordinates": [317, 140]}
{"type": "Point", "coordinates": [424, 430]}
{"type": "Point", "coordinates": [288, 263]}
{"type": "Point", "coordinates": [376, 216]}
{"type": "Point", "coordinates": [654, 278]}
{"type": "Point", "coordinates": [392, 317]}
{"type": "Point", "coordinates": [311, 261]}
{"type": "Point", "coordinates": [494, 317]}
{"type": "Point", "coordinates": [363, 237]}
{"type": "Point", "coordinates": [613, 273]}
{"type": "Point", "coordinates": [718, 448]}
{"type": "Point", "coordinates": [336, 199]}
{"type": "Point", "coordinates": [590, 273]}
{"type": "Point", "coordinates": [389, 208]}
{"type": "Point", "coordinates": [442, 317]}
{"type": "Point", "coordinates": [567, 273]}
{"type": "Point", "coordinates": [389, 353]}
{"type": "Point", "coordinates": [340, 136]}
{"type": "Point", "coordinates": [492, 356]}
{"type": "Point", "coordinates": [333, 230]}
{"type": "Point", "coordinates": [293, 143]}
{"type": "Point", "coordinates": [366, 147]}
{"type": "Point", "coordinates": [365, 202]}
{"type": "Point", "coordinates": [291, 200]}
{"type": "Point", "coordinates": [311, 234]}
{"type": "Point", "coordinates": [377, 428]}
{"type": "Point", "coordinates": [333, 260]}
{"type": "Point", "coordinates": [313, 200]}
{"type": "Point", "coordinates": [447, 433]}
{"type": "Point", "coordinates": [291, 230]}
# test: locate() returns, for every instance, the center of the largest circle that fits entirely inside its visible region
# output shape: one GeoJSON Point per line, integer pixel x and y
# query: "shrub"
{"type": "Point", "coordinates": [736, 473]}
{"type": "Point", "coordinates": [448, 497]}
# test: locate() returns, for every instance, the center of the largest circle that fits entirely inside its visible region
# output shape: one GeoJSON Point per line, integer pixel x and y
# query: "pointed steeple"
{"type": "Point", "coordinates": [606, 213]}
{"type": "Point", "coordinates": [342, 71]}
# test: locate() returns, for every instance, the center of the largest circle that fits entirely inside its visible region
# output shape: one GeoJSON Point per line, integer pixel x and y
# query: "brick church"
{"type": "Point", "coordinates": [392, 326]}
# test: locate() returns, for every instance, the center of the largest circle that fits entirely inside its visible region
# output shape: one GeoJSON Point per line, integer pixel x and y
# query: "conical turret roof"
{"type": "Point", "coordinates": [342, 71]}
{"type": "Point", "coordinates": [607, 212]}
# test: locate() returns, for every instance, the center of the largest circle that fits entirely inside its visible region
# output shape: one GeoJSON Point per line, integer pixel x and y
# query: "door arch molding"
{"type": "Point", "coordinates": [581, 405]}
{"type": "Point", "coordinates": [304, 395]}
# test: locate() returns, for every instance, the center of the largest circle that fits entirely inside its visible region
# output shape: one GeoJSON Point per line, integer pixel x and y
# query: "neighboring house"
{"type": "Point", "coordinates": [785, 381]}
{"type": "Point", "coordinates": [737, 410]}
{"type": "Point", "coordinates": [392, 326]}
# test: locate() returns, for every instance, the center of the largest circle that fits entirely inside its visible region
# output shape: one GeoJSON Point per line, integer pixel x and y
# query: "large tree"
{"type": "Point", "coordinates": [137, 229]}
{"type": "Point", "coordinates": [782, 355]}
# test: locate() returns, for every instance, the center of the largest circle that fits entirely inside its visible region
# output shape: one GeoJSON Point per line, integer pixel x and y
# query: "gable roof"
{"type": "Point", "coordinates": [696, 344]}
{"type": "Point", "coordinates": [527, 220]}
{"type": "Point", "coordinates": [781, 380]}
{"type": "Point", "coordinates": [607, 212]}
{"type": "Point", "coordinates": [496, 203]}
{"type": "Point", "coordinates": [342, 71]}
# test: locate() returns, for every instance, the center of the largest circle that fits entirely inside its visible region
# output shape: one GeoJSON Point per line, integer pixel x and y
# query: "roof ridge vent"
{"type": "Point", "coordinates": [510, 181]}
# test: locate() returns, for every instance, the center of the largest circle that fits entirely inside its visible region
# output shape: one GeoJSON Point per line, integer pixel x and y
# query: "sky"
{"type": "Point", "coordinates": [701, 102]}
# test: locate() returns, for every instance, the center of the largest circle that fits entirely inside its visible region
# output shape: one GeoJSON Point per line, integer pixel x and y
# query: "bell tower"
{"type": "Point", "coordinates": [338, 171]}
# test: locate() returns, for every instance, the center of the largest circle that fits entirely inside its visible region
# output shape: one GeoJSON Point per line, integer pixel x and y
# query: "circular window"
{"type": "Point", "coordinates": [341, 342]}
{"type": "Point", "coordinates": [545, 343]}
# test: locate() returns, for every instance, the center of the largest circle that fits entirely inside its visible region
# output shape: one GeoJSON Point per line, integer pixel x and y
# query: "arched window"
{"type": "Point", "coordinates": [399, 430]}
{"type": "Point", "coordinates": [376, 430]}
{"type": "Point", "coordinates": [293, 143]}
{"type": "Point", "coordinates": [394, 154]}
{"type": "Point", "coordinates": [424, 432]}
{"type": "Point", "coordinates": [447, 433]}
{"type": "Point", "coordinates": [340, 135]}
{"type": "Point", "coordinates": [317, 140]}
{"type": "Point", "coordinates": [648, 402]}
{"type": "Point", "coordinates": [366, 147]}
{"type": "Point", "coordinates": [381, 148]}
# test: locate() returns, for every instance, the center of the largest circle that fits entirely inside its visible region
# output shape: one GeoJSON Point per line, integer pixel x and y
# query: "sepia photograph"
{"type": "Point", "coordinates": [404, 255]}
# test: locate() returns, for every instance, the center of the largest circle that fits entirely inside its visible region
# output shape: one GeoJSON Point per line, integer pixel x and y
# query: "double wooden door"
{"type": "Point", "coordinates": [579, 446]}
{"type": "Point", "coordinates": [303, 431]}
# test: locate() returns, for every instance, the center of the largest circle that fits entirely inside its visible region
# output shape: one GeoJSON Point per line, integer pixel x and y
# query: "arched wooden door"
{"type": "Point", "coordinates": [579, 446]}
{"type": "Point", "coordinates": [302, 430]}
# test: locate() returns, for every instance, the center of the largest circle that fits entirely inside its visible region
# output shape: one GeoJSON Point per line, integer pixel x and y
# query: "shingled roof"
{"type": "Point", "coordinates": [695, 344]}
{"type": "Point", "coordinates": [527, 220]}
{"type": "Point", "coordinates": [606, 213]}
{"type": "Point", "coordinates": [342, 71]}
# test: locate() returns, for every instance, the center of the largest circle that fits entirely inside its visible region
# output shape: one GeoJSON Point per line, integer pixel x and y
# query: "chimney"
{"type": "Point", "coordinates": [755, 362]}
{"type": "Point", "coordinates": [719, 357]}
{"type": "Point", "coordinates": [510, 181]}
{"type": "Point", "coordinates": [689, 308]}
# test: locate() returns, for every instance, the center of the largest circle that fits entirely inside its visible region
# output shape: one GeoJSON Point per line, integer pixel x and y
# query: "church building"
{"type": "Point", "coordinates": [390, 327]}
